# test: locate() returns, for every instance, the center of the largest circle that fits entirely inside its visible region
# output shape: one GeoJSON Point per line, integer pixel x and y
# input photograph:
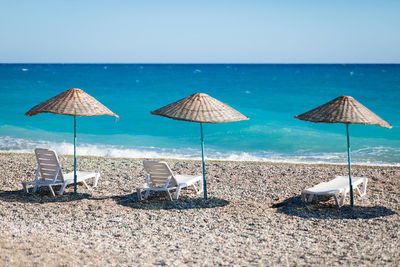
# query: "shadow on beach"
{"type": "Point", "coordinates": [294, 206]}
{"type": "Point", "coordinates": [156, 202]}
{"type": "Point", "coordinates": [42, 196]}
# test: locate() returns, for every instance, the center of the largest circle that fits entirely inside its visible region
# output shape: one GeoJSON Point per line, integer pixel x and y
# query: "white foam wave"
{"type": "Point", "coordinates": [20, 145]}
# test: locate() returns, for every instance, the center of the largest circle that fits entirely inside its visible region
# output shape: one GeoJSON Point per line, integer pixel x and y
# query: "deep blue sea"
{"type": "Point", "coordinates": [270, 94]}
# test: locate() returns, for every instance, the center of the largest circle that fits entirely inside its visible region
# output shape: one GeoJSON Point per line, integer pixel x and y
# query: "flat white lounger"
{"type": "Point", "coordinates": [49, 173]}
{"type": "Point", "coordinates": [160, 178]}
{"type": "Point", "coordinates": [339, 185]}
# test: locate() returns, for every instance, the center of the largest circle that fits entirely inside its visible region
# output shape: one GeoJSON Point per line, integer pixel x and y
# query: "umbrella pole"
{"type": "Point", "coordinates": [202, 158]}
{"type": "Point", "coordinates": [349, 162]}
{"type": "Point", "coordinates": [75, 155]}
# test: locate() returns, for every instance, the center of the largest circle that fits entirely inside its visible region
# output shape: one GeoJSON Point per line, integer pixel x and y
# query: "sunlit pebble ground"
{"type": "Point", "coordinates": [254, 216]}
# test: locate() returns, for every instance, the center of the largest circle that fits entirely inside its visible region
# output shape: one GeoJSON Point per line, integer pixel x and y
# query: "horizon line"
{"type": "Point", "coordinates": [215, 63]}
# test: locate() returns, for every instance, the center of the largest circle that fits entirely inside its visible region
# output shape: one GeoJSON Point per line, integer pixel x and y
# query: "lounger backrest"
{"type": "Point", "coordinates": [48, 164]}
{"type": "Point", "coordinates": [159, 172]}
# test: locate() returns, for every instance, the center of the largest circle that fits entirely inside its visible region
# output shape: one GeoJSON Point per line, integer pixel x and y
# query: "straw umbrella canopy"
{"type": "Point", "coordinates": [347, 110]}
{"type": "Point", "coordinates": [200, 108]}
{"type": "Point", "coordinates": [73, 102]}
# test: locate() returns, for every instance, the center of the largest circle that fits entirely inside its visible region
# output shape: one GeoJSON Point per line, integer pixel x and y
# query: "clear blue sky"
{"type": "Point", "coordinates": [284, 31]}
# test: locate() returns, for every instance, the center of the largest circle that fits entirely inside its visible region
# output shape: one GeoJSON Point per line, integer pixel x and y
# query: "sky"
{"type": "Point", "coordinates": [171, 31]}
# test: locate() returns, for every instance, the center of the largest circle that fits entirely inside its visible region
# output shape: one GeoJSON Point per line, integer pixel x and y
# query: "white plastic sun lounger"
{"type": "Point", "coordinates": [49, 173]}
{"type": "Point", "coordinates": [160, 178]}
{"type": "Point", "coordinates": [335, 187]}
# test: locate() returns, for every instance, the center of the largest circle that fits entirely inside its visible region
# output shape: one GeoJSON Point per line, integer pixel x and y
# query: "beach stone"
{"type": "Point", "coordinates": [254, 216]}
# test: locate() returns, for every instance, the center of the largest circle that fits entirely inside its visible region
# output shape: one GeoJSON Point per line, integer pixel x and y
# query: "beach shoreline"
{"type": "Point", "coordinates": [311, 164]}
{"type": "Point", "coordinates": [254, 216]}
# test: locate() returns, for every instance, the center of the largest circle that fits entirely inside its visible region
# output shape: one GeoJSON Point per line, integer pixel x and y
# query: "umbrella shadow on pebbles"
{"type": "Point", "coordinates": [41, 196]}
{"type": "Point", "coordinates": [160, 202]}
{"type": "Point", "coordinates": [294, 206]}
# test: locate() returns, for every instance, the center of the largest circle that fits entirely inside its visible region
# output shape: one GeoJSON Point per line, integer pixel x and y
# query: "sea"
{"type": "Point", "coordinates": [269, 94]}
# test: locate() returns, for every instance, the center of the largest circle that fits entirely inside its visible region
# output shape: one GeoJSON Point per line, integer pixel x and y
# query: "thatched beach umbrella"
{"type": "Point", "coordinates": [344, 109]}
{"type": "Point", "coordinates": [200, 108]}
{"type": "Point", "coordinates": [74, 102]}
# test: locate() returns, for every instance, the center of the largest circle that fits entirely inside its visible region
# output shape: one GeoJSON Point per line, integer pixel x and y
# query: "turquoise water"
{"type": "Point", "coordinates": [269, 94]}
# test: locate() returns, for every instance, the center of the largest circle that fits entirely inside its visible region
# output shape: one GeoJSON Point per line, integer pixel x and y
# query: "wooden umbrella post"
{"type": "Point", "coordinates": [349, 162]}
{"type": "Point", "coordinates": [204, 164]}
{"type": "Point", "coordinates": [74, 155]}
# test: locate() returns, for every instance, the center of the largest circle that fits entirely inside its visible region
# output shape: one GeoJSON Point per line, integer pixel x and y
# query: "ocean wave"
{"type": "Point", "coordinates": [21, 145]}
{"type": "Point", "coordinates": [367, 156]}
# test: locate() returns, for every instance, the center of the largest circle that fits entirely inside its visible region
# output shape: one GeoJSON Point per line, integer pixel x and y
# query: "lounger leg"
{"type": "Point", "coordinates": [336, 201]}
{"type": "Point", "coordinates": [358, 191]}
{"type": "Point", "coordinates": [343, 198]}
{"type": "Point", "coordinates": [201, 188]}
{"type": "Point", "coordinates": [169, 195]}
{"type": "Point", "coordinates": [96, 179]}
{"type": "Point", "coordinates": [52, 191]}
{"type": "Point", "coordinates": [62, 189]}
{"type": "Point", "coordinates": [306, 197]}
{"type": "Point", "coordinates": [84, 182]}
{"type": "Point", "coordinates": [25, 188]}
{"type": "Point", "coordinates": [195, 189]}
{"type": "Point", "coordinates": [146, 195]}
{"type": "Point", "coordinates": [139, 194]}
{"type": "Point", "coordinates": [364, 191]}
{"type": "Point", "coordinates": [198, 191]}
{"type": "Point", "coordinates": [178, 191]}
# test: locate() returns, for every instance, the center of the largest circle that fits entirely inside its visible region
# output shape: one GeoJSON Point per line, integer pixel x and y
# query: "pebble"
{"type": "Point", "coordinates": [254, 216]}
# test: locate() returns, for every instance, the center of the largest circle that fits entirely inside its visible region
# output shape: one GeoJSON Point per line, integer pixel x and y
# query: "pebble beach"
{"type": "Point", "coordinates": [254, 216]}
